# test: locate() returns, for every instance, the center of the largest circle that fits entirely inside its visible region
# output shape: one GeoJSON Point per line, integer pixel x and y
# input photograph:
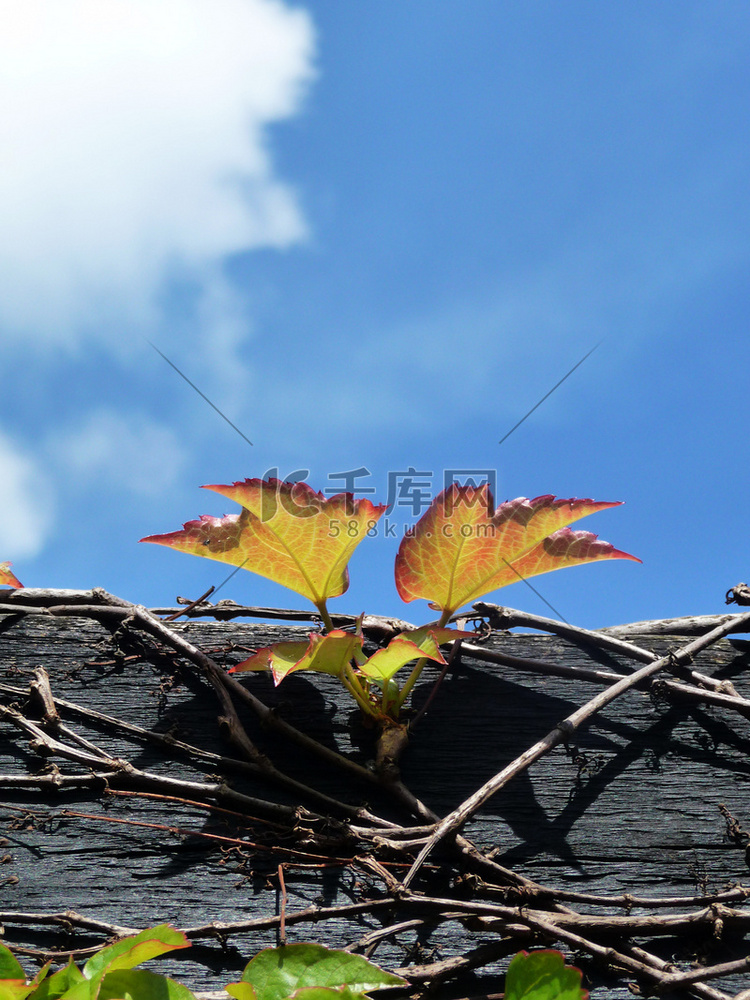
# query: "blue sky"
{"type": "Point", "coordinates": [376, 235]}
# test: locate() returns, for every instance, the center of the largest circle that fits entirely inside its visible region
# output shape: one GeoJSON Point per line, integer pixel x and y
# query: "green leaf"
{"type": "Point", "coordinates": [60, 983]}
{"type": "Point", "coordinates": [326, 654]}
{"type": "Point", "coordinates": [132, 951]}
{"type": "Point", "coordinates": [543, 975]}
{"type": "Point", "coordinates": [277, 973]}
{"type": "Point", "coordinates": [9, 965]}
{"type": "Point", "coordinates": [421, 642]}
{"type": "Point", "coordinates": [242, 991]}
{"type": "Point", "coordinates": [14, 989]}
{"type": "Point", "coordinates": [13, 985]}
{"type": "Point", "coordinates": [86, 989]}
{"type": "Point", "coordinates": [139, 984]}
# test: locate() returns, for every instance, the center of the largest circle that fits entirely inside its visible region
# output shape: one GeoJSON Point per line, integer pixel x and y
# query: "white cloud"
{"type": "Point", "coordinates": [25, 503]}
{"type": "Point", "coordinates": [132, 454]}
{"type": "Point", "coordinates": [134, 137]}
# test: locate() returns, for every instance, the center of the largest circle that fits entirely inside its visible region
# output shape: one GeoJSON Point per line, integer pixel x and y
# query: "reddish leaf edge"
{"type": "Point", "coordinates": [281, 486]}
{"type": "Point", "coordinates": [459, 496]}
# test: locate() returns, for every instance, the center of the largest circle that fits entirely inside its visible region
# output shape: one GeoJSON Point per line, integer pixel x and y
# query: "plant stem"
{"type": "Point", "coordinates": [419, 666]}
{"type": "Point", "coordinates": [388, 703]}
{"type": "Point", "coordinates": [325, 616]}
{"type": "Point", "coordinates": [352, 684]}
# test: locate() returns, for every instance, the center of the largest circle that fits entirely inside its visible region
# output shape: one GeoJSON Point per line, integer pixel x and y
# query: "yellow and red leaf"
{"type": "Point", "coordinates": [286, 532]}
{"type": "Point", "coordinates": [460, 549]}
{"type": "Point", "coordinates": [331, 653]}
{"type": "Point", "coordinates": [425, 642]}
{"type": "Point", "coordinates": [326, 654]}
{"type": "Point", "coordinates": [7, 577]}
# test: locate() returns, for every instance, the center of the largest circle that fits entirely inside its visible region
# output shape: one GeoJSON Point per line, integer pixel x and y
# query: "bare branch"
{"type": "Point", "coordinates": [559, 734]}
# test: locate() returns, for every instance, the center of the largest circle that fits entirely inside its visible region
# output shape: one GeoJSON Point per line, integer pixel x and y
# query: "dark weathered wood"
{"type": "Point", "coordinates": [632, 807]}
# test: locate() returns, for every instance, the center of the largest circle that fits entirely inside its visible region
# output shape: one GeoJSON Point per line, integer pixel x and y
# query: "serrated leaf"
{"type": "Point", "coordinates": [59, 983]}
{"type": "Point", "coordinates": [276, 973]}
{"type": "Point", "coordinates": [329, 654]}
{"type": "Point", "coordinates": [383, 665]}
{"type": "Point", "coordinates": [543, 975]}
{"type": "Point", "coordinates": [326, 654]}
{"type": "Point", "coordinates": [286, 532]}
{"type": "Point", "coordinates": [131, 951]}
{"type": "Point", "coordinates": [460, 550]}
{"type": "Point", "coordinates": [140, 984]}
{"type": "Point", "coordinates": [283, 655]}
{"type": "Point", "coordinates": [7, 577]}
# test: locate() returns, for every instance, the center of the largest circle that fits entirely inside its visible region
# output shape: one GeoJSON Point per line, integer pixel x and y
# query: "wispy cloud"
{"type": "Point", "coordinates": [25, 502]}
{"type": "Point", "coordinates": [136, 148]}
{"type": "Point", "coordinates": [131, 453]}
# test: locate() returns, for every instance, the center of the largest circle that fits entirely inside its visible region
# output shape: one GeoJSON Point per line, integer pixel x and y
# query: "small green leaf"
{"type": "Point", "coordinates": [282, 656]}
{"type": "Point", "coordinates": [132, 951]}
{"type": "Point", "coordinates": [326, 654]}
{"type": "Point", "coordinates": [139, 984]}
{"type": "Point", "coordinates": [277, 973]}
{"type": "Point", "coordinates": [408, 646]}
{"type": "Point", "coordinates": [543, 975]}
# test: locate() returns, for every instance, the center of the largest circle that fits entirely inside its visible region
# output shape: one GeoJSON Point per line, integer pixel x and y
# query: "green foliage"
{"type": "Point", "coordinates": [543, 975]}
{"type": "Point", "coordinates": [297, 972]}
{"type": "Point", "coordinates": [129, 952]}
{"type": "Point", "coordinates": [309, 972]}
{"type": "Point", "coordinates": [292, 972]}
{"type": "Point", "coordinates": [108, 975]}
{"type": "Point", "coordinates": [59, 983]}
{"type": "Point", "coordinates": [139, 984]}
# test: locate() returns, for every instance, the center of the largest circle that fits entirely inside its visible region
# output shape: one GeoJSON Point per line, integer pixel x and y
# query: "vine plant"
{"type": "Point", "coordinates": [290, 972]}
{"type": "Point", "coordinates": [461, 549]}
